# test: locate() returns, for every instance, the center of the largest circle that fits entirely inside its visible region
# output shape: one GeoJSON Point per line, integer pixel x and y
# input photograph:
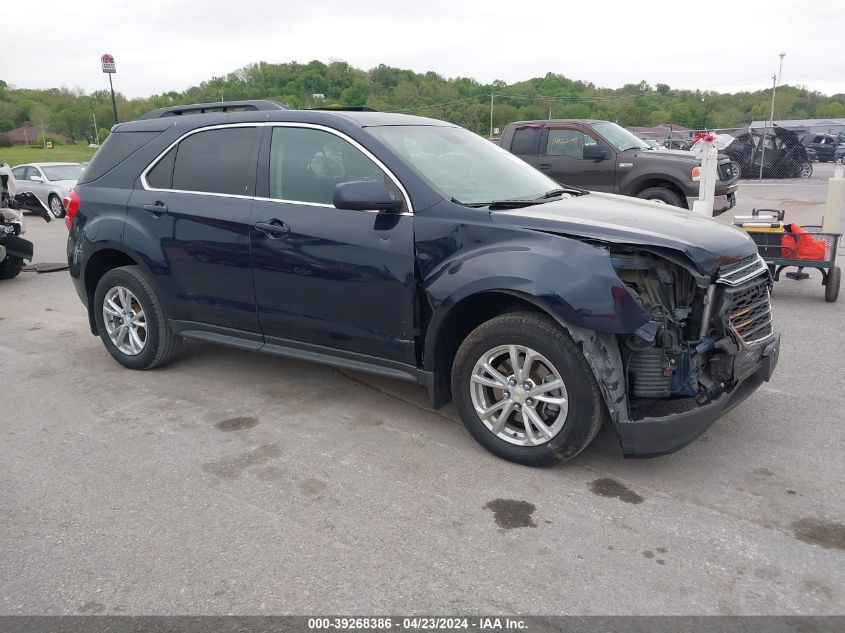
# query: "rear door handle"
{"type": "Point", "coordinates": [158, 209]}
{"type": "Point", "coordinates": [544, 166]}
{"type": "Point", "coordinates": [274, 229]}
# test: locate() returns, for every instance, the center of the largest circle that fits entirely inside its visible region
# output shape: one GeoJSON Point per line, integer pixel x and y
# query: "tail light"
{"type": "Point", "coordinates": [71, 202]}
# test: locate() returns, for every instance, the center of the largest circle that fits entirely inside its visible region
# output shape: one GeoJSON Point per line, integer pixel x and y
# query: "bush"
{"type": "Point", "coordinates": [5, 141]}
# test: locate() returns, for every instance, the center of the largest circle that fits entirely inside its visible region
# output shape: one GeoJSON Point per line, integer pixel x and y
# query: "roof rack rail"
{"type": "Point", "coordinates": [221, 106]}
{"type": "Point", "coordinates": [347, 109]}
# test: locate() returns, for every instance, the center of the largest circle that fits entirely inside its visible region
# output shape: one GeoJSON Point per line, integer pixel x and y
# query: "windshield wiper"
{"type": "Point", "coordinates": [554, 193]}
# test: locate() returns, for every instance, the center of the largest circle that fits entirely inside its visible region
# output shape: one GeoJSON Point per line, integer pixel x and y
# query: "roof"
{"type": "Point", "coordinates": [30, 134]}
{"type": "Point", "coordinates": [48, 164]}
{"type": "Point", "coordinates": [801, 123]}
{"type": "Point", "coordinates": [662, 129]}
{"type": "Point", "coordinates": [359, 119]}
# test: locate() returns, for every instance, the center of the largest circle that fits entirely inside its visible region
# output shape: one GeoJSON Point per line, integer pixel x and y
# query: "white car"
{"type": "Point", "coordinates": [50, 182]}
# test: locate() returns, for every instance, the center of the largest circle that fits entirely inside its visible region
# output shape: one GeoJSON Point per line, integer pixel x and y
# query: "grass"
{"type": "Point", "coordinates": [60, 154]}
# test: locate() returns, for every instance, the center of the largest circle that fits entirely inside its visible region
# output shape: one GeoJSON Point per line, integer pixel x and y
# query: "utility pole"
{"type": "Point", "coordinates": [491, 116]}
{"type": "Point", "coordinates": [775, 82]}
{"type": "Point", "coordinates": [221, 96]}
{"type": "Point", "coordinates": [43, 134]}
{"type": "Point", "coordinates": [96, 129]}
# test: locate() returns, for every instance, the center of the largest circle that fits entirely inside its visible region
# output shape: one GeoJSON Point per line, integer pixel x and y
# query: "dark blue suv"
{"type": "Point", "coordinates": [412, 248]}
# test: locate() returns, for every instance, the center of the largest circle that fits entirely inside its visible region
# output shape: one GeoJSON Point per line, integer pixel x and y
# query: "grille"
{"type": "Point", "coordinates": [743, 270]}
{"type": "Point", "coordinates": [750, 311]}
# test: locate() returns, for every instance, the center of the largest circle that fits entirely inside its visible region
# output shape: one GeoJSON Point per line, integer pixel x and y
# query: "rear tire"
{"type": "Point", "coordinates": [57, 209]}
{"type": "Point", "coordinates": [11, 267]}
{"type": "Point", "coordinates": [661, 194]}
{"type": "Point", "coordinates": [155, 344]}
{"type": "Point", "coordinates": [831, 289]}
{"type": "Point", "coordinates": [805, 170]}
{"type": "Point", "coordinates": [736, 168]}
{"type": "Point", "coordinates": [571, 414]}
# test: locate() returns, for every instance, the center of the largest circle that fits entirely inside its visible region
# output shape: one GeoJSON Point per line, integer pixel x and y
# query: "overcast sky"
{"type": "Point", "coordinates": [162, 45]}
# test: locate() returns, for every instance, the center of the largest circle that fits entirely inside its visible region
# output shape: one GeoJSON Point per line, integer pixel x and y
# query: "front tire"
{"type": "Point", "coordinates": [11, 267]}
{"type": "Point", "coordinates": [56, 206]}
{"type": "Point", "coordinates": [524, 390]}
{"type": "Point", "coordinates": [131, 321]}
{"type": "Point", "coordinates": [661, 194]}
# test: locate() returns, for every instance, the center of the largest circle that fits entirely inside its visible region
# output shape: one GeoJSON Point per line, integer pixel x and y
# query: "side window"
{"type": "Point", "coordinates": [306, 164]}
{"type": "Point", "coordinates": [214, 161]}
{"type": "Point", "coordinates": [18, 173]}
{"type": "Point", "coordinates": [562, 142]}
{"type": "Point", "coordinates": [526, 141]}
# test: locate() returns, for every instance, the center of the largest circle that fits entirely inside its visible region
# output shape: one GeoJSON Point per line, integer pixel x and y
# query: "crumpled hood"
{"type": "Point", "coordinates": [625, 220]}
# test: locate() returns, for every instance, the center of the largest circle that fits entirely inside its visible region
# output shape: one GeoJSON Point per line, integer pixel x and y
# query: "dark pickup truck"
{"type": "Point", "coordinates": [602, 156]}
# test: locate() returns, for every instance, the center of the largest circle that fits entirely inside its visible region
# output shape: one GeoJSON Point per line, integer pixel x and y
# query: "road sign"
{"type": "Point", "coordinates": [108, 63]}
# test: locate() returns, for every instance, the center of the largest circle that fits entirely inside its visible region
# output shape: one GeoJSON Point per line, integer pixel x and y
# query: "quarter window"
{"type": "Point", "coordinates": [213, 161]}
{"type": "Point", "coordinates": [306, 164]}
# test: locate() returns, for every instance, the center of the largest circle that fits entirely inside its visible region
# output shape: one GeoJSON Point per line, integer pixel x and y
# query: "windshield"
{"type": "Point", "coordinates": [464, 166]}
{"type": "Point", "coordinates": [63, 172]}
{"type": "Point", "coordinates": [618, 136]}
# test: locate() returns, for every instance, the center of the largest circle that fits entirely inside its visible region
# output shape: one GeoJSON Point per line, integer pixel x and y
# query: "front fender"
{"type": "Point", "coordinates": [573, 281]}
{"type": "Point", "coordinates": [633, 181]}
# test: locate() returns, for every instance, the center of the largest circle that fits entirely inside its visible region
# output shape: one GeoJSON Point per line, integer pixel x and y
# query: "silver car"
{"type": "Point", "coordinates": [49, 181]}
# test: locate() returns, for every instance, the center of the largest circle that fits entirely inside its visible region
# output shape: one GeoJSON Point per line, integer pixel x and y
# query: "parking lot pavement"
{"type": "Point", "coordinates": [803, 200]}
{"type": "Point", "coordinates": [232, 482]}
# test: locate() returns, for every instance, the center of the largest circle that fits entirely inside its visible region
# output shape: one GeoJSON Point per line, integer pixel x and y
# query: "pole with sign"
{"type": "Point", "coordinates": [109, 68]}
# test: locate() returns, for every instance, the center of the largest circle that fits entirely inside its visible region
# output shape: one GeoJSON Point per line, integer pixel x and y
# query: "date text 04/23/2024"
{"type": "Point", "coordinates": [419, 623]}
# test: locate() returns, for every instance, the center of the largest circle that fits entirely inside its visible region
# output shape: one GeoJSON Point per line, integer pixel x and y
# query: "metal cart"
{"type": "Point", "coordinates": [808, 249]}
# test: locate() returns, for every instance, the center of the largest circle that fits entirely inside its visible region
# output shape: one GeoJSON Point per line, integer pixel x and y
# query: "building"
{"type": "Point", "coordinates": [29, 134]}
{"type": "Point", "coordinates": [662, 131]}
{"type": "Point", "coordinates": [817, 126]}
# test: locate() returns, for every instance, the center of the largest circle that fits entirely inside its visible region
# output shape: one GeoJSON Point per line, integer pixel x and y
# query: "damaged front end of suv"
{"type": "Point", "coordinates": [691, 332]}
{"type": "Point", "coordinates": [708, 343]}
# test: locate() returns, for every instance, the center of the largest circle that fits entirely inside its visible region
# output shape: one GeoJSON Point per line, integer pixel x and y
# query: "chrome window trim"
{"type": "Point", "coordinates": [260, 124]}
{"type": "Point", "coordinates": [157, 160]}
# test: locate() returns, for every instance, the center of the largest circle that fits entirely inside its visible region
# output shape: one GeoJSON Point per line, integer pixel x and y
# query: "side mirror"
{"type": "Point", "coordinates": [594, 152]}
{"type": "Point", "coordinates": [36, 179]}
{"type": "Point", "coordinates": [365, 195]}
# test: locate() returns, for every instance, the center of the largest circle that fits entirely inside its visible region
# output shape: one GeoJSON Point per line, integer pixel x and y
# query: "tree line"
{"type": "Point", "coordinates": [460, 100]}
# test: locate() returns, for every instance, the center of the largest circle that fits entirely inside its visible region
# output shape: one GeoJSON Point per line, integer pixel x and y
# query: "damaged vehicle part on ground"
{"type": "Point", "coordinates": [414, 249]}
{"type": "Point", "coordinates": [15, 250]}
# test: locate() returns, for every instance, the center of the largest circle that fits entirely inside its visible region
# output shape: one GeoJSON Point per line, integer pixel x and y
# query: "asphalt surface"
{"type": "Point", "coordinates": [232, 482]}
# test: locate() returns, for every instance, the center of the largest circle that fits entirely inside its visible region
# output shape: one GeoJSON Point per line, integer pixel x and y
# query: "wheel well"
{"type": "Point", "coordinates": [98, 265]}
{"type": "Point", "coordinates": [665, 184]}
{"type": "Point", "coordinates": [462, 319]}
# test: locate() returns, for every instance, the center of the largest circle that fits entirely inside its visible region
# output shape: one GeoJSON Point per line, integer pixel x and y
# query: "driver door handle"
{"type": "Point", "coordinates": [274, 229]}
{"type": "Point", "coordinates": [158, 209]}
{"type": "Point", "coordinates": [544, 166]}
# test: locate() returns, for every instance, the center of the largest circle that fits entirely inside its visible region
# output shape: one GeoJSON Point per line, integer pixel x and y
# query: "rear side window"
{"type": "Point", "coordinates": [214, 161]}
{"type": "Point", "coordinates": [115, 149]}
{"type": "Point", "coordinates": [526, 141]}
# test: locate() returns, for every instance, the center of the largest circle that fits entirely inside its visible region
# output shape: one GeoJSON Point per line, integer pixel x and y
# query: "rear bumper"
{"type": "Point", "coordinates": [651, 437]}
